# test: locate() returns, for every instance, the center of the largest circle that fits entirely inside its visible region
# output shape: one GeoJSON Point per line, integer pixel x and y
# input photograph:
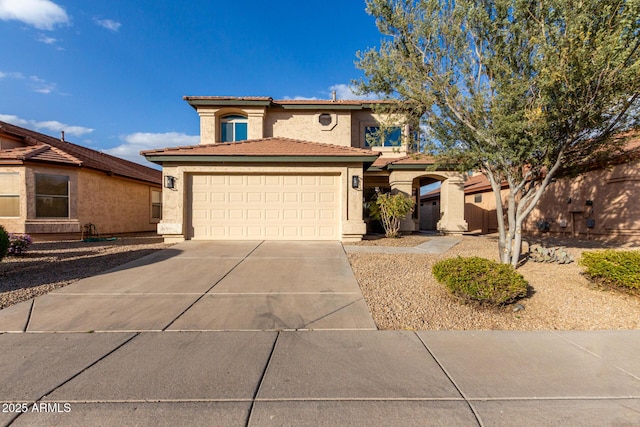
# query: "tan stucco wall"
{"type": "Point", "coordinates": [616, 206]}
{"type": "Point", "coordinates": [346, 128]}
{"type": "Point", "coordinates": [114, 204]}
{"type": "Point", "coordinates": [16, 224]}
{"type": "Point", "coordinates": [175, 223]}
{"type": "Point", "coordinates": [481, 215]}
{"type": "Point", "coordinates": [615, 194]}
{"type": "Point", "coordinates": [305, 125]}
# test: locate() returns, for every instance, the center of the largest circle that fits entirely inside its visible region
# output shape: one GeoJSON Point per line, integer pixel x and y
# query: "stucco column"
{"type": "Point", "coordinates": [353, 226]}
{"type": "Point", "coordinates": [402, 182]}
{"type": "Point", "coordinates": [208, 128]}
{"type": "Point", "coordinates": [452, 206]}
{"type": "Point", "coordinates": [172, 226]}
{"type": "Point", "coordinates": [255, 124]}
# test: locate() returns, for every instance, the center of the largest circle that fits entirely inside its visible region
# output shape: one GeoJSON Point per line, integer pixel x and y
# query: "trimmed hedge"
{"type": "Point", "coordinates": [617, 269]}
{"type": "Point", "coordinates": [4, 242]}
{"type": "Point", "coordinates": [479, 280]}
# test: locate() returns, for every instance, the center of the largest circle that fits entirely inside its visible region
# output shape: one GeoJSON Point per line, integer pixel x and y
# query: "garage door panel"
{"type": "Point", "coordinates": [216, 197]}
{"type": "Point", "coordinates": [290, 197]}
{"type": "Point", "coordinates": [265, 207]}
{"type": "Point", "coordinates": [254, 197]}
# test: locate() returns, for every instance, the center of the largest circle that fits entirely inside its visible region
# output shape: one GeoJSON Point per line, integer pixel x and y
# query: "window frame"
{"type": "Point", "coordinates": [387, 132]}
{"type": "Point", "coordinates": [153, 204]}
{"type": "Point", "coordinates": [234, 120]}
{"type": "Point", "coordinates": [53, 196]}
{"type": "Point", "coordinates": [11, 195]}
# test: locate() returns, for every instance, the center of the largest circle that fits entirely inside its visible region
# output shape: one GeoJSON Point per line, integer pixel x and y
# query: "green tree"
{"type": "Point", "coordinates": [518, 89]}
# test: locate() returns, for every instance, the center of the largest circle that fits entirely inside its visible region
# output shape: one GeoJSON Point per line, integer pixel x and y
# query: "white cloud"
{"type": "Point", "coordinates": [136, 142]}
{"type": "Point", "coordinates": [42, 14]}
{"type": "Point", "coordinates": [56, 126]}
{"type": "Point", "coordinates": [108, 24]}
{"type": "Point", "coordinates": [11, 75]}
{"type": "Point", "coordinates": [35, 83]}
{"type": "Point", "coordinates": [45, 39]}
{"type": "Point", "coordinates": [50, 125]}
{"type": "Point", "coordinates": [15, 120]}
{"type": "Point", "coordinates": [344, 91]}
{"type": "Point", "coordinates": [40, 85]}
{"type": "Point", "coordinates": [300, 98]}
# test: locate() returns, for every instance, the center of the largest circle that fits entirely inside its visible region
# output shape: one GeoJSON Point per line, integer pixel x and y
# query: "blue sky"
{"type": "Point", "coordinates": [112, 73]}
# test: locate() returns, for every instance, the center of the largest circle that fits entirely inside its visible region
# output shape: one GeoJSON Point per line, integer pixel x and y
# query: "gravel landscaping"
{"type": "Point", "coordinates": [50, 265]}
{"type": "Point", "coordinates": [402, 293]}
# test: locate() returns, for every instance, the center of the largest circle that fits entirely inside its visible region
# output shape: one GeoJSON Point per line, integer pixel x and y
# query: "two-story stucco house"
{"type": "Point", "coordinates": [292, 170]}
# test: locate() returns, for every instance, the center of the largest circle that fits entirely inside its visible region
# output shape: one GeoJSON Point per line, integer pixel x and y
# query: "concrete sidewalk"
{"type": "Point", "coordinates": [366, 378]}
{"type": "Point", "coordinates": [437, 245]}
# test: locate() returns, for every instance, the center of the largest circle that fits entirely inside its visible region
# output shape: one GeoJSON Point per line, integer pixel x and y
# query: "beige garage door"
{"type": "Point", "coordinates": [269, 207]}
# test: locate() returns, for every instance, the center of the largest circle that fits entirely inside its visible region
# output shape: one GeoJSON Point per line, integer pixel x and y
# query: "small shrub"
{"type": "Point", "coordinates": [391, 209]}
{"type": "Point", "coordinates": [617, 269]}
{"type": "Point", "coordinates": [18, 243]}
{"type": "Point", "coordinates": [4, 242]}
{"type": "Point", "coordinates": [480, 280]}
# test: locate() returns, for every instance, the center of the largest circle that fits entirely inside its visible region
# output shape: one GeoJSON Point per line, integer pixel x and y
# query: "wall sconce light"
{"type": "Point", "coordinates": [169, 181]}
{"type": "Point", "coordinates": [589, 202]}
{"type": "Point", "coordinates": [355, 182]}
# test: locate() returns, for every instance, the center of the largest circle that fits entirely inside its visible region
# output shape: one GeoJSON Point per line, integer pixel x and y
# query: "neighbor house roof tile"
{"type": "Point", "coordinates": [46, 148]}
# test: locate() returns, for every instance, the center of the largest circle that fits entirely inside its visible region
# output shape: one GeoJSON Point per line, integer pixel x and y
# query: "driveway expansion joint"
{"type": "Point", "coordinates": [213, 286]}
{"type": "Point", "coordinates": [453, 382]}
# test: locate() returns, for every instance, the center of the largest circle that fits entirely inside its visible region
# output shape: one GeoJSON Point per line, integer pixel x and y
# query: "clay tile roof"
{"type": "Point", "coordinates": [46, 148]}
{"type": "Point", "coordinates": [412, 159]}
{"type": "Point", "coordinates": [274, 146]}
{"type": "Point", "coordinates": [42, 152]}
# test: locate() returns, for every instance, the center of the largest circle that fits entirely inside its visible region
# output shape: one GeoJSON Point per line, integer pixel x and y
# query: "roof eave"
{"type": "Point", "coordinates": [160, 158]}
{"type": "Point", "coordinates": [199, 102]}
{"type": "Point", "coordinates": [312, 106]}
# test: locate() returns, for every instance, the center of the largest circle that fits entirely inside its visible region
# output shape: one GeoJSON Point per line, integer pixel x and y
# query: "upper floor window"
{"type": "Point", "coordinates": [233, 128]}
{"type": "Point", "coordinates": [9, 194]}
{"type": "Point", "coordinates": [377, 136]}
{"type": "Point", "coordinates": [52, 196]}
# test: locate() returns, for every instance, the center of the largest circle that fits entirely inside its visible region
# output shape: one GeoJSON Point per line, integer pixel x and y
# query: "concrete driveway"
{"type": "Point", "coordinates": [208, 286]}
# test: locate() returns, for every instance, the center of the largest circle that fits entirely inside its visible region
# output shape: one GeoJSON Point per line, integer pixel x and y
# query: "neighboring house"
{"type": "Point", "coordinates": [52, 187]}
{"type": "Point", "coordinates": [601, 201]}
{"type": "Point", "coordinates": [292, 170]}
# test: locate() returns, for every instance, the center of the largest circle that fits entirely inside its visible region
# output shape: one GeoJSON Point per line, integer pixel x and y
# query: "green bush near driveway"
{"type": "Point", "coordinates": [479, 280]}
{"type": "Point", "coordinates": [611, 268]}
{"type": "Point", "coordinates": [4, 242]}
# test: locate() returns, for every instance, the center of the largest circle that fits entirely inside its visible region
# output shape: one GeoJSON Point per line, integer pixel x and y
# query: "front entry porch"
{"type": "Point", "coordinates": [406, 176]}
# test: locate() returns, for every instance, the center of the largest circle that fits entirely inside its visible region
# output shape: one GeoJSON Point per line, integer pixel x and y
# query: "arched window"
{"type": "Point", "coordinates": [233, 128]}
